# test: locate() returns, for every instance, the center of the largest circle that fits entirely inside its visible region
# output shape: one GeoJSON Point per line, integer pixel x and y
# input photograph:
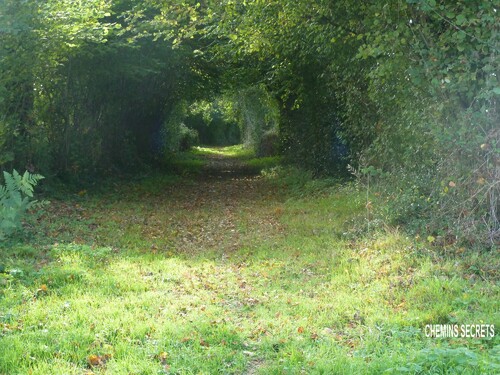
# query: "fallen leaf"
{"type": "Point", "coordinates": [93, 360]}
{"type": "Point", "coordinates": [300, 330]}
{"type": "Point", "coordinates": [163, 357]}
{"type": "Point", "coordinates": [98, 360]}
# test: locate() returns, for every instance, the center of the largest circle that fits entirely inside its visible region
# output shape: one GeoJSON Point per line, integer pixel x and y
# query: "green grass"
{"type": "Point", "coordinates": [236, 151]}
{"type": "Point", "coordinates": [171, 276]}
{"type": "Point", "coordinates": [264, 163]}
{"type": "Point", "coordinates": [184, 163]}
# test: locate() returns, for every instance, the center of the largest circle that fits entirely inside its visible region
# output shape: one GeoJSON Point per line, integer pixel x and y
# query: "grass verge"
{"type": "Point", "coordinates": [236, 151]}
{"type": "Point", "coordinates": [179, 277]}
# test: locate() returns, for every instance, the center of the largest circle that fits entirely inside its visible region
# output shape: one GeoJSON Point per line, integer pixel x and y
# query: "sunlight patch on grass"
{"type": "Point", "coordinates": [185, 163]}
{"type": "Point", "coordinates": [264, 162]}
{"type": "Point", "coordinates": [236, 151]}
{"type": "Point", "coordinates": [302, 290]}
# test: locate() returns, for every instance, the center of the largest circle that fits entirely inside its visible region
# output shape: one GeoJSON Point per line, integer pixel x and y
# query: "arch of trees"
{"type": "Point", "coordinates": [405, 90]}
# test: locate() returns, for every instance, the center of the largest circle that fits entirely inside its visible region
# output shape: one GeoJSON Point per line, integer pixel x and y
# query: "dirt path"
{"type": "Point", "coordinates": [214, 273]}
{"type": "Point", "coordinates": [219, 167]}
{"type": "Point", "coordinates": [220, 209]}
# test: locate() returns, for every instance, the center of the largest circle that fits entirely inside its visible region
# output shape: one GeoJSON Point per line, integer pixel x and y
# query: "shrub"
{"type": "Point", "coordinates": [188, 138]}
{"type": "Point", "coordinates": [175, 134]}
{"type": "Point", "coordinates": [16, 198]}
{"type": "Point", "coordinates": [268, 144]}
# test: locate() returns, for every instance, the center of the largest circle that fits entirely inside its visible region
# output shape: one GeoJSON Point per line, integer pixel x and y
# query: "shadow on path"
{"type": "Point", "coordinates": [220, 167]}
{"type": "Point", "coordinates": [227, 204]}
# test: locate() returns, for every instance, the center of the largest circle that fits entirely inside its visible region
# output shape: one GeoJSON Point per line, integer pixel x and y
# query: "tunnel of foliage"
{"type": "Point", "coordinates": [403, 94]}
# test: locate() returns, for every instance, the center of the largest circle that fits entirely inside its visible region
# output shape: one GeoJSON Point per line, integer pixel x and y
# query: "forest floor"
{"type": "Point", "coordinates": [221, 269]}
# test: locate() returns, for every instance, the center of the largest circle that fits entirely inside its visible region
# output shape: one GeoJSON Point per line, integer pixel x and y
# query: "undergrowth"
{"type": "Point", "coordinates": [246, 275]}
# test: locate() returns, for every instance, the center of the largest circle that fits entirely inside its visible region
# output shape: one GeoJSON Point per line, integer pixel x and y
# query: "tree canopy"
{"type": "Point", "coordinates": [409, 88]}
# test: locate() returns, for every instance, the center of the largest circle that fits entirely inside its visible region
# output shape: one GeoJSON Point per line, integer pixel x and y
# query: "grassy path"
{"type": "Point", "coordinates": [222, 272]}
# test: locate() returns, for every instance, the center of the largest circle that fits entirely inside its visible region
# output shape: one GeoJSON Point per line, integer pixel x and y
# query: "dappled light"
{"type": "Point", "coordinates": [232, 273]}
{"type": "Point", "coordinates": [249, 187]}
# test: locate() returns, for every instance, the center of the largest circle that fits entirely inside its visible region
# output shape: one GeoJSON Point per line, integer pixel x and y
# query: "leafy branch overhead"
{"type": "Point", "coordinates": [409, 87]}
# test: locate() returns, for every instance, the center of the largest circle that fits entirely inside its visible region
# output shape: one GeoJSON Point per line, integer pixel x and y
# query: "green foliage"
{"type": "Point", "coordinates": [233, 152]}
{"type": "Point", "coordinates": [298, 182]}
{"type": "Point", "coordinates": [269, 143]}
{"type": "Point", "coordinates": [448, 360]}
{"type": "Point", "coordinates": [180, 137]}
{"type": "Point", "coordinates": [434, 135]}
{"type": "Point", "coordinates": [213, 122]}
{"type": "Point", "coordinates": [233, 276]}
{"type": "Point", "coordinates": [184, 163]}
{"type": "Point", "coordinates": [16, 198]}
{"type": "Point", "coordinates": [264, 164]}
{"type": "Point", "coordinates": [257, 114]}
{"type": "Point", "coordinates": [175, 135]}
{"type": "Point", "coordinates": [64, 109]}
{"type": "Point", "coordinates": [408, 88]}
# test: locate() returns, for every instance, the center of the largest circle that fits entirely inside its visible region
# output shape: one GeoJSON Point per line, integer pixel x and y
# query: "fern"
{"type": "Point", "coordinates": [15, 200]}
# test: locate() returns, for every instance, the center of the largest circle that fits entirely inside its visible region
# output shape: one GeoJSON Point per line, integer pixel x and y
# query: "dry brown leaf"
{"type": "Point", "coordinates": [163, 357]}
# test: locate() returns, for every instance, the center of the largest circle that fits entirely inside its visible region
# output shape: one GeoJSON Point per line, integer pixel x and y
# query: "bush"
{"type": "Point", "coordinates": [15, 200]}
{"type": "Point", "coordinates": [175, 134]}
{"type": "Point", "coordinates": [268, 144]}
{"type": "Point", "coordinates": [299, 182]}
{"type": "Point", "coordinates": [187, 138]}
